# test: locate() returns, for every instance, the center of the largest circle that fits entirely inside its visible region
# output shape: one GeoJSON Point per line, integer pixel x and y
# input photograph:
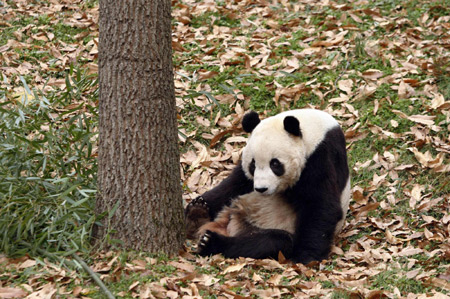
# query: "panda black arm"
{"type": "Point", "coordinates": [314, 238]}
{"type": "Point", "coordinates": [317, 196]}
{"type": "Point", "coordinates": [319, 214]}
{"type": "Point", "coordinates": [234, 185]}
{"type": "Point", "coordinates": [259, 244]}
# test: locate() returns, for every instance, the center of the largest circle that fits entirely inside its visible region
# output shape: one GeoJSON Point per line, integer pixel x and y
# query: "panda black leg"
{"type": "Point", "coordinates": [263, 243]}
{"type": "Point", "coordinates": [258, 244]}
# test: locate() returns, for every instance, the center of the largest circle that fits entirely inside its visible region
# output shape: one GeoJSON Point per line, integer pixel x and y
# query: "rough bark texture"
{"type": "Point", "coordinates": [138, 149]}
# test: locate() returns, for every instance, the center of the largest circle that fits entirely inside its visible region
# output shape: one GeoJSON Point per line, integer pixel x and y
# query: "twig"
{"type": "Point", "coordinates": [94, 276]}
{"type": "Point", "coordinates": [347, 64]}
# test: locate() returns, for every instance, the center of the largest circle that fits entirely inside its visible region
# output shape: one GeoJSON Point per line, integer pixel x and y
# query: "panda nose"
{"type": "Point", "coordinates": [261, 190]}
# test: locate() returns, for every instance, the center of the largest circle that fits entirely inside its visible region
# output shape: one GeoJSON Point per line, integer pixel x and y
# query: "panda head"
{"type": "Point", "coordinates": [274, 155]}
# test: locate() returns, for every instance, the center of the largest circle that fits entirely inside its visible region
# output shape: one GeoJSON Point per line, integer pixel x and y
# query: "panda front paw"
{"type": "Point", "coordinates": [209, 244]}
{"type": "Point", "coordinates": [197, 214]}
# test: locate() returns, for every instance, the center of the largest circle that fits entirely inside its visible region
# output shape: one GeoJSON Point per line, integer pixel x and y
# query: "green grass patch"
{"type": "Point", "coordinates": [391, 279]}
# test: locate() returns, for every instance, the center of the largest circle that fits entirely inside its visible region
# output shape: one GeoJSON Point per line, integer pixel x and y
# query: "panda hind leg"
{"type": "Point", "coordinates": [211, 243]}
{"type": "Point", "coordinates": [259, 244]}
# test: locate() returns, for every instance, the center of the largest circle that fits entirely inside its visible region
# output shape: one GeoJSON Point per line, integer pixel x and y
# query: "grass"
{"type": "Point", "coordinates": [390, 280]}
{"type": "Point", "coordinates": [48, 142]}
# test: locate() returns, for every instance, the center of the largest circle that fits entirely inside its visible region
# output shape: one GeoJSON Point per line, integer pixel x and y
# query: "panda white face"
{"type": "Point", "coordinates": [278, 147]}
{"type": "Point", "coordinates": [273, 158]}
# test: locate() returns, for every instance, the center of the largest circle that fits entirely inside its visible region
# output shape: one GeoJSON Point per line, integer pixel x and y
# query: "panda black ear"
{"type": "Point", "coordinates": [250, 121]}
{"type": "Point", "coordinates": [292, 125]}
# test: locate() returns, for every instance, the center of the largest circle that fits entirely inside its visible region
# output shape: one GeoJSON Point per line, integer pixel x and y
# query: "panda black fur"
{"type": "Point", "coordinates": [290, 192]}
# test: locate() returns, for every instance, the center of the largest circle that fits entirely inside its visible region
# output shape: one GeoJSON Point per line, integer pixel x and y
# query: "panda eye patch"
{"type": "Point", "coordinates": [251, 167]}
{"type": "Point", "coordinates": [277, 167]}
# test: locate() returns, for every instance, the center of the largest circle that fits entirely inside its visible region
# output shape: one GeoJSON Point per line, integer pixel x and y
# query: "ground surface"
{"type": "Point", "coordinates": [380, 67]}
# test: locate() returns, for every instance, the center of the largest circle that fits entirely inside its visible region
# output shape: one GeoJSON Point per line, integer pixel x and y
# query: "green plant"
{"type": "Point", "coordinates": [48, 168]}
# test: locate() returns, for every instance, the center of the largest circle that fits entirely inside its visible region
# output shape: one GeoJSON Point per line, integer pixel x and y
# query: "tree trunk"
{"type": "Point", "coordinates": [138, 148]}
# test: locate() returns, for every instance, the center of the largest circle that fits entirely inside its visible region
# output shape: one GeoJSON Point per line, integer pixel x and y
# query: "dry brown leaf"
{"type": "Point", "coordinates": [183, 266]}
{"type": "Point", "coordinates": [133, 285]}
{"type": "Point", "coordinates": [409, 251]}
{"type": "Point", "coordinates": [442, 168]}
{"type": "Point", "coordinates": [206, 280]}
{"type": "Point", "coordinates": [440, 283]}
{"type": "Point", "coordinates": [218, 137]}
{"type": "Point", "coordinates": [439, 103]}
{"type": "Point", "coordinates": [333, 41]}
{"type": "Point", "coordinates": [429, 235]}
{"type": "Point", "coordinates": [365, 91]}
{"type": "Point", "coordinates": [391, 238]}
{"type": "Point", "coordinates": [446, 218]}
{"type": "Point", "coordinates": [309, 51]}
{"type": "Point", "coordinates": [236, 139]}
{"type": "Point", "coordinates": [234, 268]}
{"type": "Point", "coordinates": [346, 85]}
{"type": "Point", "coordinates": [46, 292]}
{"type": "Point", "coordinates": [367, 208]}
{"type": "Point", "coordinates": [415, 195]}
{"type": "Point", "coordinates": [372, 74]}
{"type": "Point", "coordinates": [275, 279]}
{"type": "Point", "coordinates": [27, 264]}
{"type": "Point", "coordinates": [203, 74]}
{"type": "Point", "coordinates": [12, 293]}
{"type": "Point", "coordinates": [426, 159]}
{"type": "Point", "coordinates": [172, 294]}
{"type": "Point", "coordinates": [355, 18]}
{"type": "Point", "coordinates": [358, 194]}
{"type": "Point", "coordinates": [405, 90]}
{"type": "Point", "coordinates": [203, 155]}
{"type": "Point", "coordinates": [342, 98]}
{"type": "Point", "coordinates": [423, 119]}
{"type": "Point", "coordinates": [290, 94]}
{"type": "Point", "coordinates": [378, 179]}
{"type": "Point", "coordinates": [257, 278]}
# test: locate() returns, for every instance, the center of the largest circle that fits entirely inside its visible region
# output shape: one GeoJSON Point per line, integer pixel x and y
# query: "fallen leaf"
{"type": "Point", "coordinates": [440, 283]}
{"type": "Point", "coordinates": [46, 292]}
{"type": "Point", "coordinates": [203, 75]}
{"type": "Point", "coordinates": [12, 293]}
{"type": "Point", "coordinates": [27, 264]}
{"type": "Point", "coordinates": [372, 74]}
{"type": "Point", "coordinates": [405, 90]}
{"type": "Point", "coordinates": [415, 195]}
{"type": "Point", "coordinates": [346, 85]}
{"type": "Point", "coordinates": [423, 119]}
{"type": "Point", "coordinates": [234, 268]}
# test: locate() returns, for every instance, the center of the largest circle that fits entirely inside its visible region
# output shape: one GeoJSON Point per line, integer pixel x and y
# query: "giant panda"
{"type": "Point", "coordinates": [289, 193]}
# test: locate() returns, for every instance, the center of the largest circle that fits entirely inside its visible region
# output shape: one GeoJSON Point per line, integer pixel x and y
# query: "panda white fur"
{"type": "Point", "coordinates": [290, 193]}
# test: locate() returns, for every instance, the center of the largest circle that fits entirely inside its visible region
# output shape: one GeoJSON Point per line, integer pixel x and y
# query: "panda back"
{"type": "Point", "coordinates": [314, 125]}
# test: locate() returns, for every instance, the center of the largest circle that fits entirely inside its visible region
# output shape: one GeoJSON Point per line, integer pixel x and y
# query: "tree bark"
{"type": "Point", "coordinates": [138, 138]}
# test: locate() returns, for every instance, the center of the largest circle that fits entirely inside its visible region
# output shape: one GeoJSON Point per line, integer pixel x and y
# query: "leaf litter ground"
{"type": "Point", "coordinates": [380, 67]}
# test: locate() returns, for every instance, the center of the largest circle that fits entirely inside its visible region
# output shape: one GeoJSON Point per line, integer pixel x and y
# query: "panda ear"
{"type": "Point", "coordinates": [250, 121]}
{"type": "Point", "coordinates": [292, 125]}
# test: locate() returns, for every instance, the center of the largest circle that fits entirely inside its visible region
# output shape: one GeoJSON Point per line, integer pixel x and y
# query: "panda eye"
{"type": "Point", "coordinates": [251, 167]}
{"type": "Point", "coordinates": [277, 167]}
